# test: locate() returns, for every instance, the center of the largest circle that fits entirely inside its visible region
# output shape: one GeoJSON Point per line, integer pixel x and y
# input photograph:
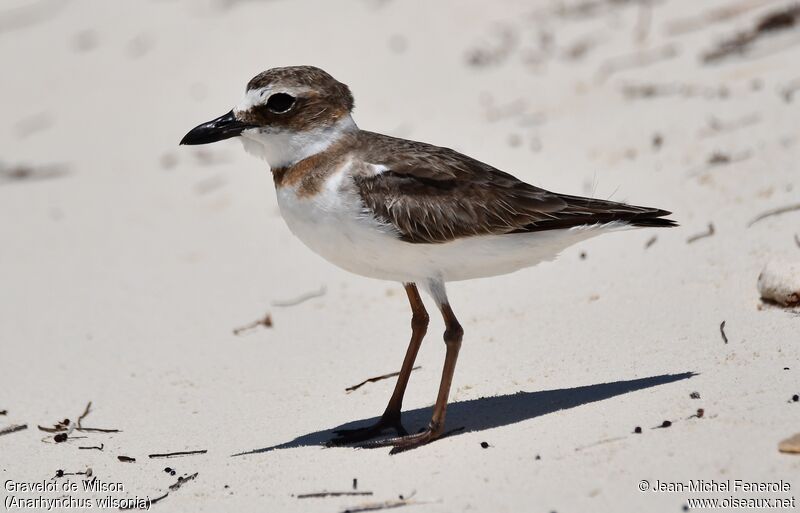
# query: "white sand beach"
{"type": "Point", "coordinates": [127, 262]}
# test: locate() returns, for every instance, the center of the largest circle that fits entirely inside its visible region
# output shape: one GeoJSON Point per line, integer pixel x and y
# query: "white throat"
{"type": "Point", "coordinates": [286, 148]}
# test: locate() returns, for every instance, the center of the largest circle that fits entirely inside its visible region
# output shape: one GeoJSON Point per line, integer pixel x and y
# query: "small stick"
{"type": "Point", "coordinates": [100, 448]}
{"type": "Point", "coordinates": [703, 235]}
{"type": "Point", "coordinates": [723, 159]}
{"type": "Point", "coordinates": [126, 459]}
{"type": "Point", "coordinates": [172, 487]}
{"type": "Point", "coordinates": [302, 298]}
{"type": "Point", "coordinates": [774, 212]}
{"type": "Point", "coordinates": [742, 42]}
{"type": "Point", "coordinates": [85, 413]}
{"type": "Point", "coordinates": [652, 240]}
{"type": "Point", "coordinates": [61, 473]}
{"type": "Point", "coordinates": [722, 332]}
{"type": "Point", "coordinates": [181, 481]}
{"type": "Point", "coordinates": [13, 429]}
{"type": "Point", "coordinates": [19, 173]}
{"type": "Point", "coordinates": [265, 321]}
{"type": "Point", "coordinates": [698, 415]}
{"type": "Point", "coordinates": [159, 498]}
{"type": "Point", "coordinates": [716, 15]}
{"type": "Point", "coordinates": [376, 378]}
{"type": "Point", "coordinates": [376, 506]}
{"type": "Point", "coordinates": [176, 454]}
{"type": "Point", "coordinates": [97, 430]}
{"type": "Point", "coordinates": [64, 425]}
{"type": "Point", "coordinates": [316, 495]}
{"type": "Point", "coordinates": [152, 501]}
{"type": "Point", "coordinates": [600, 442]}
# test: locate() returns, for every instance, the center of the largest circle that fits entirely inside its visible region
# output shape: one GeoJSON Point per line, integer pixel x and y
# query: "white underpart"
{"type": "Point", "coordinates": [281, 148]}
{"type": "Point", "coordinates": [334, 225]}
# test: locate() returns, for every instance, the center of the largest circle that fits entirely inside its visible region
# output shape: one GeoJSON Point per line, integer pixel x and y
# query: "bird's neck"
{"type": "Point", "coordinates": [286, 148]}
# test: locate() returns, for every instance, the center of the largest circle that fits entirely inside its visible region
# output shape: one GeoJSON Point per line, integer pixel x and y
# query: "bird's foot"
{"type": "Point", "coordinates": [408, 442]}
{"type": "Point", "coordinates": [352, 436]}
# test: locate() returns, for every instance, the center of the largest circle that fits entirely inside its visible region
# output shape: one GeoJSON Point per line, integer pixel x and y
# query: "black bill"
{"type": "Point", "coordinates": [224, 127]}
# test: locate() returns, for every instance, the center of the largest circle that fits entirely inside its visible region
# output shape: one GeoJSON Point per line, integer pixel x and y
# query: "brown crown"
{"type": "Point", "coordinates": [321, 101]}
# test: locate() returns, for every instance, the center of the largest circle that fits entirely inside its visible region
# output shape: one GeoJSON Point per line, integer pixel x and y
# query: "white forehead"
{"type": "Point", "coordinates": [260, 96]}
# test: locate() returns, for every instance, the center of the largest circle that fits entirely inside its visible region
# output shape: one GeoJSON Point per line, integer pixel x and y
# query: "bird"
{"type": "Point", "coordinates": [403, 211]}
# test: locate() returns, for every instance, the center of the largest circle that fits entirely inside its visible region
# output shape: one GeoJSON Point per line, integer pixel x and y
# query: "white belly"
{"type": "Point", "coordinates": [334, 225]}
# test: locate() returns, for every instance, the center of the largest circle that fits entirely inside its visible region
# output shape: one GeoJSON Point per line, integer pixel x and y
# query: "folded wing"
{"type": "Point", "coordinates": [434, 195]}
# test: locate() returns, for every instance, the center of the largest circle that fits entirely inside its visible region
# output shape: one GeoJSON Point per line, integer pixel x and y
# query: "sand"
{"type": "Point", "coordinates": [126, 262]}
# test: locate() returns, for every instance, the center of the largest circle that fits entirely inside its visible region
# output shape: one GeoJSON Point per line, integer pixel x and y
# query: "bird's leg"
{"type": "Point", "coordinates": [452, 338]}
{"type": "Point", "coordinates": [419, 326]}
{"type": "Point", "coordinates": [391, 416]}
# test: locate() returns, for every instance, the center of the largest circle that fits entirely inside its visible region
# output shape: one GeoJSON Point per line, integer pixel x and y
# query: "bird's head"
{"type": "Point", "coordinates": [286, 114]}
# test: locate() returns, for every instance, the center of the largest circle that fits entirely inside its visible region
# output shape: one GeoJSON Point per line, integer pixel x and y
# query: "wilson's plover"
{"type": "Point", "coordinates": [401, 210]}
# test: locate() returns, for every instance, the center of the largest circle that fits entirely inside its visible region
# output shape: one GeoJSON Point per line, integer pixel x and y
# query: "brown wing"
{"type": "Point", "coordinates": [431, 194]}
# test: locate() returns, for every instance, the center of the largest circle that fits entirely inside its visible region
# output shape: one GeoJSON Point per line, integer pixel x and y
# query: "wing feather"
{"type": "Point", "coordinates": [433, 195]}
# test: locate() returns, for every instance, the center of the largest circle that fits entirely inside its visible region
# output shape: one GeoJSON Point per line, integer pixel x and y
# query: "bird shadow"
{"type": "Point", "coordinates": [491, 412]}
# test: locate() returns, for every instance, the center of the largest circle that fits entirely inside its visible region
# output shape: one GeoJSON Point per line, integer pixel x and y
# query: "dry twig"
{"type": "Point", "coordinates": [722, 159]}
{"type": "Point", "coordinates": [376, 506]}
{"type": "Point", "coordinates": [182, 481]}
{"type": "Point", "coordinates": [13, 429]}
{"type": "Point", "coordinates": [376, 378]}
{"type": "Point", "coordinates": [743, 42]}
{"type": "Point", "coordinates": [23, 173]}
{"type": "Point", "coordinates": [58, 427]}
{"type": "Point", "coordinates": [85, 413]}
{"type": "Point", "coordinates": [774, 212]}
{"type": "Point", "coordinates": [316, 495]}
{"type": "Point", "coordinates": [703, 235]}
{"type": "Point", "coordinates": [716, 15]}
{"type": "Point", "coordinates": [265, 321]}
{"type": "Point", "coordinates": [302, 298]}
{"type": "Point", "coordinates": [172, 487]}
{"type": "Point", "coordinates": [67, 426]}
{"type": "Point", "coordinates": [722, 332]}
{"type": "Point", "coordinates": [600, 442]}
{"type": "Point", "coordinates": [177, 454]}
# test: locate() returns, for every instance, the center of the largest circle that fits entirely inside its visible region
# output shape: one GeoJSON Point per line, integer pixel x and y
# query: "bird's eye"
{"type": "Point", "coordinates": [280, 102]}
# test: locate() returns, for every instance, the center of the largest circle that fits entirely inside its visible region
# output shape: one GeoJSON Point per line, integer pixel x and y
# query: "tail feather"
{"type": "Point", "coordinates": [655, 219]}
{"type": "Point", "coordinates": [581, 211]}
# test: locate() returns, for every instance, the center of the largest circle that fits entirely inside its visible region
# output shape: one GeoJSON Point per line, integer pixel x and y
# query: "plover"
{"type": "Point", "coordinates": [402, 210]}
